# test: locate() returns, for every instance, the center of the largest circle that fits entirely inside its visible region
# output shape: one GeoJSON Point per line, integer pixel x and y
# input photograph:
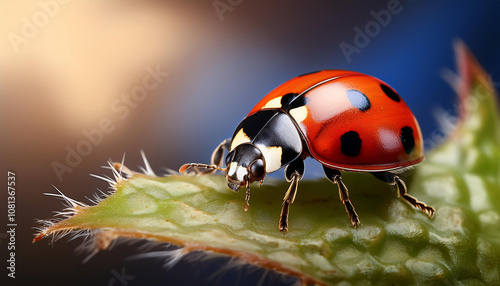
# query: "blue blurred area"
{"type": "Point", "coordinates": [260, 45]}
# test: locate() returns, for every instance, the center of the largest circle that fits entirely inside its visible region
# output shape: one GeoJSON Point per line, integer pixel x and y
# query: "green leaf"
{"type": "Point", "coordinates": [395, 243]}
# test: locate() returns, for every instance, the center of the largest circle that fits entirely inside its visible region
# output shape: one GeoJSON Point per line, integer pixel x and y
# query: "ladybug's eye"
{"type": "Point", "coordinates": [229, 158]}
{"type": "Point", "coordinates": [257, 169]}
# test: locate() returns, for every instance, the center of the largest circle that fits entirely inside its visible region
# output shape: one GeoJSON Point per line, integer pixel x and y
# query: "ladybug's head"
{"type": "Point", "coordinates": [244, 164]}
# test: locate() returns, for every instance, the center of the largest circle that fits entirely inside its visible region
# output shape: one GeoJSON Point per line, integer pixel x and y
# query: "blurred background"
{"type": "Point", "coordinates": [85, 82]}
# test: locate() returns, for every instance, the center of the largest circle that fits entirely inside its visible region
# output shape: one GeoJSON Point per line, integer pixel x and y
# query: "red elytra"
{"type": "Point", "coordinates": [330, 114]}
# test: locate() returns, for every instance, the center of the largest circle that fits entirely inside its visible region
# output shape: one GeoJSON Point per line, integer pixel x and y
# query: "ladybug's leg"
{"type": "Point", "coordinates": [293, 173]}
{"type": "Point", "coordinates": [336, 177]}
{"type": "Point", "coordinates": [218, 154]}
{"type": "Point", "coordinates": [215, 161]}
{"type": "Point", "coordinates": [394, 179]}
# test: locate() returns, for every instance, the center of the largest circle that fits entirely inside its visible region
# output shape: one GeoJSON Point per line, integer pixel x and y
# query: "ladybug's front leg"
{"type": "Point", "coordinates": [293, 173]}
{"type": "Point", "coordinates": [218, 154]}
{"type": "Point", "coordinates": [336, 177]}
{"type": "Point", "coordinates": [215, 161]}
{"type": "Point", "coordinates": [217, 157]}
{"type": "Point", "coordinates": [394, 179]}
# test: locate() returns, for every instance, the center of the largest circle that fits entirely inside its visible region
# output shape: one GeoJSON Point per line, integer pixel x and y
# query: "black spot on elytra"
{"type": "Point", "coordinates": [390, 93]}
{"type": "Point", "coordinates": [350, 144]}
{"type": "Point", "coordinates": [287, 98]}
{"type": "Point", "coordinates": [297, 102]}
{"type": "Point", "coordinates": [358, 99]}
{"type": "Point", "coordinates": [292, 100]}
{"type": "Point", "coordinates": [310, 73]}
{"type": "Point", "coordinates": [407, 139]}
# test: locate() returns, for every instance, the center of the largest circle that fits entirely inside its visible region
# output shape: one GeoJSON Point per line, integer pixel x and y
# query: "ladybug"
{"type": "Point", "coordinates": [347, 121]}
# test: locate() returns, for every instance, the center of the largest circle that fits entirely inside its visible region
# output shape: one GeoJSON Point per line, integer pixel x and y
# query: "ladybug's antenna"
{"type": "Point", "coordinates": [184, 167]}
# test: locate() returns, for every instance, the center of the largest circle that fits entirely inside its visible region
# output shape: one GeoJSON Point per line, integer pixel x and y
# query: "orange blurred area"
{"type": "Point", "coordinates": [79, 83]}
{"type": "Point", "coordinates": [67, 65]}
